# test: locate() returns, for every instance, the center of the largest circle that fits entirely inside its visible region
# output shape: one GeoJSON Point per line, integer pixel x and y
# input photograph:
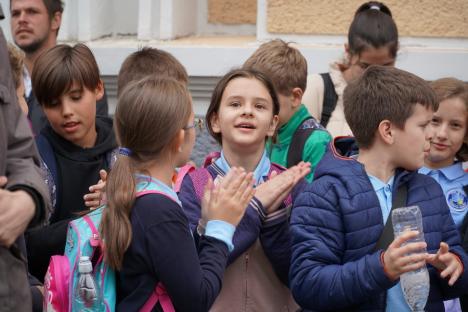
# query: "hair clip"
{"type": "Point", "coordinates": [374, 7]}
{"type": "Point", "coordinates": [125, 151]}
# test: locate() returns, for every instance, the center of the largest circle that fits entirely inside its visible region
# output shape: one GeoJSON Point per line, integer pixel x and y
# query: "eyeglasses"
{"type": "Point", "coordinates": [197, 122]}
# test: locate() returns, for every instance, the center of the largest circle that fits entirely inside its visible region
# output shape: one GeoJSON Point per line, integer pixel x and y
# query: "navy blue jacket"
{"type": "Point", "coordinates": [163, 250]}
{"type": "Point", "coordinates": [335, 225]}
{"type": "Point", "coordinates": [273, 230]}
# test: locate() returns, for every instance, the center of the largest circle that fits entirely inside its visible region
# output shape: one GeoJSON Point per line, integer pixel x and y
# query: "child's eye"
{"type": "Point", "coordinates": [260, 106]}
{"type": "Point", "coordinates": [435, 121]}
{"type": "Point", "coordinates": [76, 98]}
{"type": "Point", "coordinates": [456, 125]}
{"type": "Point", "coordinates": [234, 104]}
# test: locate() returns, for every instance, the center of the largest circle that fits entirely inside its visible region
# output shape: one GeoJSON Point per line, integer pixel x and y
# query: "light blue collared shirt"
{"type": "Point", "coordinates": [395, 300]}
{"type": "Point", "coordinates": [452, 179]}
{"type": "Point", "coordinates": [262, 169]}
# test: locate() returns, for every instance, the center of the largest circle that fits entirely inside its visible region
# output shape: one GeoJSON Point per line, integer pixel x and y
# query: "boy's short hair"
{"type": "Point", "coordinates": [383, 93]}
{"type": "Point", "coordinates": [150, 61]}
{"type": "Point", "coordinates": [56, 70]}
{"type": "Point", "coordinates": [282, 63]}
{"type": "Point", "coordinates": [16, 62]}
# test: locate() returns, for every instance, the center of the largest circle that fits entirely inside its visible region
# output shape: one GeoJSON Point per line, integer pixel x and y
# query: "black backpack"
{"type": "Point", "coordinates": [300, 136]}
{"type": "Point", "coordinates": [329, 99]}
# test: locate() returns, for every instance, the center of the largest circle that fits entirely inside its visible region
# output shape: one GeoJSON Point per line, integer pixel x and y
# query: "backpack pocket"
{"type": "Point", "coordinates": [56, 285]}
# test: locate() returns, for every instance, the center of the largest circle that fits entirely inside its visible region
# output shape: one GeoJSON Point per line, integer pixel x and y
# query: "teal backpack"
{"type": "Point", "coordinates": [83, 239]}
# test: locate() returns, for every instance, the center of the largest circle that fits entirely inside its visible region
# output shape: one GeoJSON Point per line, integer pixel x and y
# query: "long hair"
{"type": "Point", "coordinates": [149, 115]}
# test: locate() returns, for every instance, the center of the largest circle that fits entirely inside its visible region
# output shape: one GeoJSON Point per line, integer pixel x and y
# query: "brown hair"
{"type": "Point", "coordinates": [16, 63]}
{"type": "Point", "coordinates": [383, 93]}
{"type": "Point", "coordinates": [221, 86]}
{"type": "Point", "coordinates": [449, 88]}
{"type": "Point", "coordinates": [149, 114]}
{"type": "Point", "coordinates": [56, 70]}
{"type": "Point", "coordinates": [284, 64]}
{"type": "Point", "coordinates": [150, 61]}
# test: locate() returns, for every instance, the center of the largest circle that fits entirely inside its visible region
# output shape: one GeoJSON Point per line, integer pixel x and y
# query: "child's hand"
{"type": "Point", "coordinates": [97, 195]}
{"type": "Point", "coordinates": [398, 259]}
{"type": "Point", "coordinates": [446, 262]}
{"type": "Point", "coordinates": [228, 200]}
{"type": "Point", "coordinates": [272, 193]}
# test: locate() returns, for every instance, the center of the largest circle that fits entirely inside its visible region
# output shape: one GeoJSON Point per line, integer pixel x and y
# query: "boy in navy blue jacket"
{"type": "Point", "coordinates": [338, 219]}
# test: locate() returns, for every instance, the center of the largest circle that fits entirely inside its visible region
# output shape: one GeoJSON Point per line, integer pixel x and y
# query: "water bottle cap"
{"type": "Point", "coordinates": [85, 265]}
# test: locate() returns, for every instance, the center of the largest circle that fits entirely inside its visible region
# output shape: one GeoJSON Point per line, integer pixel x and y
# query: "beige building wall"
{"type": "Point", "coordinates": [423, 18]}
{"type": "Point", "coordinates": [232, 11]}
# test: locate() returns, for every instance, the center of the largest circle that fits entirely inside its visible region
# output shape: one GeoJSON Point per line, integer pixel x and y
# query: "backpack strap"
{"type": "Point", "coordinates": [48, 156]}
{"type": "Point", "coordinates": [299, 139]}
{"type": "Point", "coordinates": [398, 201]}
{"type": "Point", "coordinates": [329, 99]}
{"type": "Point", "coordinates": [159, 294]}
{"type": "Point", "coordinates": [199, 178]}
{"type": "Point", "coordinates": [181, 173]}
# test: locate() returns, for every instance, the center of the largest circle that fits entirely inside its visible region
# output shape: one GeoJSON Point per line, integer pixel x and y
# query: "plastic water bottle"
{"type": "Point", "coordinates": [87, 294]}
{"type": "Point", "coordinates": [415, 284]}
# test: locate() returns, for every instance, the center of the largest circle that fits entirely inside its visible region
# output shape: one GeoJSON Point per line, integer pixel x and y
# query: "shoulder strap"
{"type": "Point", "coordinates": [159, 294]}
{"type": "Point", "coordinates": [399, 200]}
{"type": "Point", "coordinates": [48, 156]}
{"type": "Point", "coordinates": [329, 99]}
{"type": "Point", "coordinates": [199, 179]}
{"type": "Point", "coordinates": [298, 141]}
{"type": "Point", "coordinates": [181, 173]}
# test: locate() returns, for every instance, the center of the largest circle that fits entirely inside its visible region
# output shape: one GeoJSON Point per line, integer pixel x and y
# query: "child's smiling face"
{"type": "Point", "coordinates": [245, 116]}
{"type": "Point", "coordinates": [448, 128]}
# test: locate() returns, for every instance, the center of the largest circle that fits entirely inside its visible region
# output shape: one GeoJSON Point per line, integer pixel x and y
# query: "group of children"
{"type": "Point", "coordinates": [284, 217]}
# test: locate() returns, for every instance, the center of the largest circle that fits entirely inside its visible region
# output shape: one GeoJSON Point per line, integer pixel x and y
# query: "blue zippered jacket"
{"type": "Point", "coordinates": [335, 225]}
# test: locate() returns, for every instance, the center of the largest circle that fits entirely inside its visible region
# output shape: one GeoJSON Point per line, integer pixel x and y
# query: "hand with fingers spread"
{"type": "Point", "coordinates": [400, 258]}
{"type": "Point", "coordinates": [447, 263]}
{"type": "Point", "coordinates": [228, 200]}
{"type": "Point", "coordinates": [272, 192]}
{"type": "Point", "coordinates": [97, 195]}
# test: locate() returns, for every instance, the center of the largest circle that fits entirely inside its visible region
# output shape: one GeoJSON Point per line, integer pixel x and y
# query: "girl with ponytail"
{"type": "Point", "coordinates": [146, 233]}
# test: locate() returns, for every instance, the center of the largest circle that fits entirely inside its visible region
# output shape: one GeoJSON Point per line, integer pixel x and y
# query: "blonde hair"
{"type": "Point", "coordinates": [282, 63]}
{"type": "Point", "coordinates": [16, 62]}
{"type": "Point", "coordinates": [150, 113]}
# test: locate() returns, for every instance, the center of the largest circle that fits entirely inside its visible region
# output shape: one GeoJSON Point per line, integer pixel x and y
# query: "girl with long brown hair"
{"type": "Point", "coordinates": [147, 238]}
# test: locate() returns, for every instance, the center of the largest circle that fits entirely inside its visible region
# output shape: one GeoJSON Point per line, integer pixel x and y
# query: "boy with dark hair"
{"type": "Point", "coordinates": [300, 136]}
{"type": "Point", "coordinates": [74, 147]}
{"type": "Point", "coordinates": [339, 218]}
{"type": "Point", "coordinates": [34, 27]}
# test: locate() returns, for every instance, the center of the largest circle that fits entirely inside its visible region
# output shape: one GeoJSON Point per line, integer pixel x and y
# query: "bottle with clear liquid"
{"type": "Point", "coordinates": [415, 284]}
{"type": "Point", "coordinates": [87, 296]}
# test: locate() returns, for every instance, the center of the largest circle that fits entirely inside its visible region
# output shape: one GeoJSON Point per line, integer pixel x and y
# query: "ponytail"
{"type": "Point", "coordinates": [373, 26]}
{"type": "Point", "coordinates": [116, 226]}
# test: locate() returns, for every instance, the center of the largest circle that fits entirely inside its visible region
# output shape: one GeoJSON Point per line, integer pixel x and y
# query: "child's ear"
{"type": "Point", "coordinates": [99, 92]}
{"type": "Point", "coordinates": [56, 21]}
{"type": "Point", "coordinates": [297, 94]}
{"type": "Point", "coordinates": [215, 123]}
{"type": "Point", "coordinates": [386, 132]}
{"type": "Point", "coordinates": [273, 125]}
{"type": "Point", "coordinates": [178, 142]}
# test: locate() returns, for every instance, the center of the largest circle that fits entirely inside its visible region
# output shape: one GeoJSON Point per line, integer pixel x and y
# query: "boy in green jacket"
{"type": "Point", "coordinates": [300, 136]}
